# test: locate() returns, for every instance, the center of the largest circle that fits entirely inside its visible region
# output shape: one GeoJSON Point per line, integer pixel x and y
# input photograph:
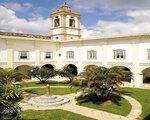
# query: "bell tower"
{"type": "Point", "coordinates": [65, 24]}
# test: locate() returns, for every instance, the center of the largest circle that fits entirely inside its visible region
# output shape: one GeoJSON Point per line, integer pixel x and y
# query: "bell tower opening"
{"type": "Point", "coordinates": [56, 22]}
{"type": "Point", "coordinates": [65, 24]}
{"type": "Point", "coordinates": [72, 22]}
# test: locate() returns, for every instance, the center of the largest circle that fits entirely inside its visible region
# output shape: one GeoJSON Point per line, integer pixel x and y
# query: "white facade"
{"type": "Point", "coordinates": [101, 50]}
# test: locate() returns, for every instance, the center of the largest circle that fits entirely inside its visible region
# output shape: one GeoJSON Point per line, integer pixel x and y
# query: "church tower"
{"type": "Point", "coordinates": [65, 24]}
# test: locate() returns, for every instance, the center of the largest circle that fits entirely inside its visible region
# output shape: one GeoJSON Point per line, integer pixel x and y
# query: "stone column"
{"type": "Point", "coordinates": [79, 31]}
{"type": "Point", "coordinates": [137, 76]}
{"type": "Point", "coordinates": [37, 54]}
{"type": "Point", "coordinates": [59, 56]}
{"type": "Point", "coordinates": [80, 59]}
{"type": "Point", "coordinates": [10, 54]}
{"type": "Point", "coordinates": [104, 54]}
{"type": "Point", "coordinates": [51, 25]}
{"type": "Point", "coordinates": [137, 80]}
{"type": "Point", "coordinates": [63, 27]}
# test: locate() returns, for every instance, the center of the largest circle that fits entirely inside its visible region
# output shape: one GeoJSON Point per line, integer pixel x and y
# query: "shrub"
{"type": "Point", "coordinates": [102, 82]}
{"type": "Point", "coordinates": [9, 94]}
{"type": "Point", "coordinates": [42, 74]}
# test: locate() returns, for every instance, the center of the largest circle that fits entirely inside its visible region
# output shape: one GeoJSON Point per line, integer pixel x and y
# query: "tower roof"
{"type": "Point", "coordinates": [65, 8]}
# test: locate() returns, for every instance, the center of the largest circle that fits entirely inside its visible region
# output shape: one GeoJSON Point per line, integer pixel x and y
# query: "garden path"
{"type": "Point", "coordinates": [93, 113]}
{"type": "Point", "coordinates": [136, 107]}
{"type": "Point", "coordinates": [45, 87]}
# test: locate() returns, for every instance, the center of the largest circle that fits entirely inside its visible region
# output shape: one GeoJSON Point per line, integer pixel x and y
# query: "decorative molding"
{"type": "Point", "coordinates": [120, 63]}
{"type": "Point", "coordinates": [65, 28]}
{"type": "Point", "coordinates": [123, 37]}
{"type": "Point", "coordinates": [3, 63]}
{"type": "Point", "coordinates": [65, 34]}
{"type": "Point", "coordinates": [70, 62]}
{"type": "Point", "coordinates": [144, 64]}
{"type": "Point", "coordinates": [48, 62]}
{"type": "Point", "coordinates": [92, 62]}
{"type": "Point", "coordinates": [65, 12]}
{"type": "Point", "coordinates": [24, 38]}
{"type": "Point", "coordinates": [16, 64]}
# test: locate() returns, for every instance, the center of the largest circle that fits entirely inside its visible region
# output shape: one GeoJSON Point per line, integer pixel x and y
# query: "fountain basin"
{"type": "Point", "coordinates": [48, 101]}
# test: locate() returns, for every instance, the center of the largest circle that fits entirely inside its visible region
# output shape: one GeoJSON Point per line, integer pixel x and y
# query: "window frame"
{"type": "Point", "coordinates": [72, 20]}
{"type": "Point", "coordinates": [148, 54]}
{"type": "Point", "coordinates": [22, 57]}
{"type": "Point", "coordinates": [50, 54]}
{"type": "Point", "coordinates": [91, 55]}
{"type": "Point", "coordinates": [57, 18]}
{"type": "Point", "coordinates": [119, 53]}
{"type": "Point", "coordinates": [69, 54]}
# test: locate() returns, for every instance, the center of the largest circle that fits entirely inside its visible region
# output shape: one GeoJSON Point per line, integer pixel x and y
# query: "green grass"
{"type": "Point", "coordinates": [38, 84]}
{"type": "Point", "coordinates": [55, 114]}
{"type": "Point", "coordinates": [55, 91]}
{"type": "Point", "coordinates": [143, 96]}
{"type": "Point", "coordinates": [119, 106]}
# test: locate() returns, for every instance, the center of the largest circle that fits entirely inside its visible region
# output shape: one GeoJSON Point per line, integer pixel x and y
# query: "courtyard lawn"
{"type": "Point", "coordinates": [143, 96]}
{"type": "Point", "coordinates": [38, 84]}
{"type": "Point", "coordinates": [119, 106]}
{"type": "Point", "coordinates": [55, 91]}
{"type": "Point", "coordinates": [55, 114]}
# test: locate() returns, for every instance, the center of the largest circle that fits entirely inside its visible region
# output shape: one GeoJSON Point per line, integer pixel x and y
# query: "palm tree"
{"type": "Point", "coordinates": [67, 73]}
{"type": "Point", "coordinates": [10, 75]}
{"type": "Point", "coordinates": [101, 82]}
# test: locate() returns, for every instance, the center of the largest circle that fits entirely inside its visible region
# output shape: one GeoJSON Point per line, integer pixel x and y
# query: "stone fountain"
{"type": "Point", "coordinates": [48, 100]}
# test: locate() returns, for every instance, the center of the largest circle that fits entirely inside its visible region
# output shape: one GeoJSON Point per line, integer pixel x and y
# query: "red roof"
{"type": "Point", "coordinates": [24, 35]}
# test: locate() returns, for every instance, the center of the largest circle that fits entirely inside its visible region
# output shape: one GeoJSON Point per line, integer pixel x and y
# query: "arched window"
{"type": "Point", "coordinates": [72, 22]}
{"type": "Point", "coordinates": [56, 22]}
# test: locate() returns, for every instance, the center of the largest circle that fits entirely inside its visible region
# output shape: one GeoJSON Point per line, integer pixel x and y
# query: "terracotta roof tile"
{"type": "Point", "coordinates": [24, 35]}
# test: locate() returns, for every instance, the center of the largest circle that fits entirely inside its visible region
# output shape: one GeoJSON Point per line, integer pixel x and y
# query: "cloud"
{"type": "Point", "coordinates": [126, 4]}
{"type": "Point", "coordinates": [9, 22]}
{"type": "Point", "coordinates": [139, 15]}
{"type": "Point", "coordinates": [17, 6]}
{"type": "Point", "coordinates": [86, 33]}
{"type": "Point", "coordinates": [134, 16]}
{"type": "Point", "coordinates": [85, 5]}
{"type": "Point", "coordinates": [139, 22]}
{"type": "Point", "coordinates": [110, 5]}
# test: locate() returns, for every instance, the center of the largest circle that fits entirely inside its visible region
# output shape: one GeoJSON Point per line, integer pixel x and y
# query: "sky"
{"type": "Point", "coordinates": [98, 17]}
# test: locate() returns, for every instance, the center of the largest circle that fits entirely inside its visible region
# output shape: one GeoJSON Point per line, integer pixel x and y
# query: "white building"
{"type": "Point", "coordinates": [64, 47]}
